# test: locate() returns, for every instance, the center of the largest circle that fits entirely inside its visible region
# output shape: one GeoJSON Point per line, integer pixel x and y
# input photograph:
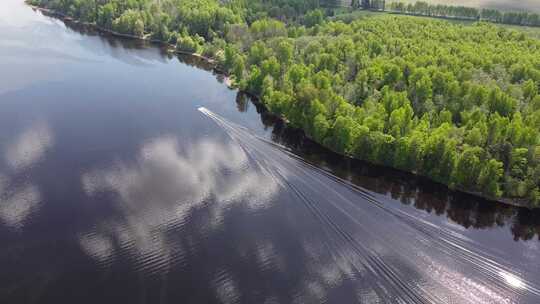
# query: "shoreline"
{"type": "Point", "coordinates": [519, 203]}
{"type": "Point", "coordinates": [171, 48]}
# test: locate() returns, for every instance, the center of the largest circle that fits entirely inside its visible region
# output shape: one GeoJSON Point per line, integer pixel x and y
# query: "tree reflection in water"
{"type": "Point", "coordinates": [464, 209]}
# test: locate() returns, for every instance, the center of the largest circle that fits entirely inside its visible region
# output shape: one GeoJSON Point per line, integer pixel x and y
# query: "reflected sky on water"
{"type": "Point", "coordinates": [128, 173]}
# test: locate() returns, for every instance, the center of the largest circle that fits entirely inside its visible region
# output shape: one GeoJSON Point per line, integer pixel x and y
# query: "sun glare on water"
{"type": "Point", "coordinates": [512, 280]}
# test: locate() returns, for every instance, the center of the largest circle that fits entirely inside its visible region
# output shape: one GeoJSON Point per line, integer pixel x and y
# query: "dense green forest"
{"type": "Point", "coordinates": [457, 103]}
{"type": "Point", "coordinates": [462, 12]}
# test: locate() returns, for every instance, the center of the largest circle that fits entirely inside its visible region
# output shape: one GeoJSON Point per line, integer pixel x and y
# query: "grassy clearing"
{"type": "Point", "coordinates": [505, 5]}
{"type": "Point", "coordinates": [349, 15]}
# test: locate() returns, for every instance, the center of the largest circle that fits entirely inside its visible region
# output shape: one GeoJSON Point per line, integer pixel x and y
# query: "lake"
{"type": "Point", "coordinates": [129, 175]}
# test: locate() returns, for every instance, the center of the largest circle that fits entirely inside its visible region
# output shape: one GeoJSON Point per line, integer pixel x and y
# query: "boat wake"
{"type": "Point", "coordinates": [390, 254]}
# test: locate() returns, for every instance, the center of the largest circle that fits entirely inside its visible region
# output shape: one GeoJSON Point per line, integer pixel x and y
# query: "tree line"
{"type": "Point", "coordinates": [459, 104]}
{"type": "Point", "coordinates": [463, 12]}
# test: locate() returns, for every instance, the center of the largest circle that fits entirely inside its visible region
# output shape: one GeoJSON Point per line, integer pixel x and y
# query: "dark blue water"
{"type": "Point", "coordinates": [129, 175]}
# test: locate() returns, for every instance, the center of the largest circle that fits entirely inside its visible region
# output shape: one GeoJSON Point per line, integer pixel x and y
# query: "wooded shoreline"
{"type": "Point", "coordinates": [215, 66]}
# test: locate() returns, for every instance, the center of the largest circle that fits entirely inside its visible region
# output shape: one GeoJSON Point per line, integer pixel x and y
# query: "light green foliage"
{"type": "Point", "coordinates": [238, 67]}
{"type": "Point", "coordinates": [202, 17]}
{"type": "Point", "coordinates": [106, 15]}
{"type": "Point", "coordinates": [267, 28]}
{"type": "Point", "coordinates": [187, 44]}
{"type": "Point", "coordinates": [345, 131]}
{"type": "Point", "coordinates": [468, 167]}
{"type": "Point", "coordinates": [130, 22]}
{"type": "Point", "coordinates": [84, 10]}
{"type": "Point", "coordinates": [284, 53]}
{"type": "Point", "coordinates": [314, 17]}
{"type": "Point", "coordinates": [490, 177]}
{"type": "Point", "coordinates": [448, 102]}
{"type": "Point", "coordinates": [320, 127]}
{"type": "Point", "coordinates": [518, 162]}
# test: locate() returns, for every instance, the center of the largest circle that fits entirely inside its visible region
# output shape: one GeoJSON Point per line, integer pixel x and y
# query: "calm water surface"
{"type": "Point", "coordinates": [131, 176]}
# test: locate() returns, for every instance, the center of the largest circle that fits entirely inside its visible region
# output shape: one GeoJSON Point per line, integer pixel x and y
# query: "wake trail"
{"type": "Point", "coordinates": [408, 258]}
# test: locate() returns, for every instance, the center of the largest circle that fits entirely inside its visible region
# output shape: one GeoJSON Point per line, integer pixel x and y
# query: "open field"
{"type": "Point", "coordinates": [529, 5]}
{"type": "Point", "coordinates": [347, 15]}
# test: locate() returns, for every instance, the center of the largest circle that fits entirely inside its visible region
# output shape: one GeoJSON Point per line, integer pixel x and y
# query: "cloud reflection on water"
{"type": "Point", "coordinates": [30, 146]}
{"type": "Point", "coordinates": [160, 190]}
{"type": "Point", "coordinates": [18, 202]}
{"type": "Point", "coordinates": [16, 207]}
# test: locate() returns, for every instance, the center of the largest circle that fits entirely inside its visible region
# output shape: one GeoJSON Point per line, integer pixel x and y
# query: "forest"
{"type": "Point", "coordinates": [457, 103]}
{"type": "Point", "coordinates": [461, 12]}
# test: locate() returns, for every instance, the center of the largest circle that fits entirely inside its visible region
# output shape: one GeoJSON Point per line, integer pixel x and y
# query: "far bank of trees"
{"type": "Point", "coordinates": [462, 12]}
